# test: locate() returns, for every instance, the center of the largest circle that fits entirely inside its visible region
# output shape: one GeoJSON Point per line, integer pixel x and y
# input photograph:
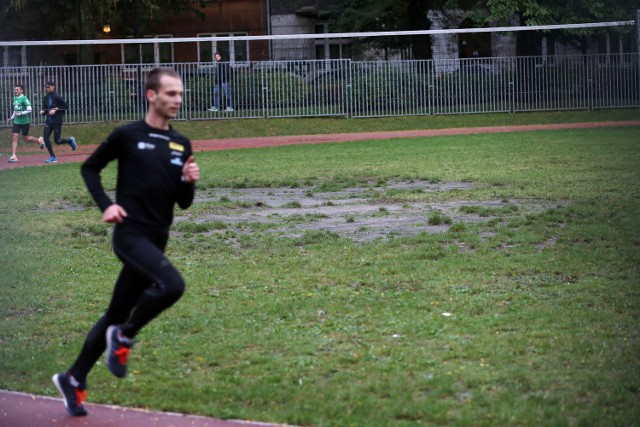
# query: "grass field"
{"type": "Point", "coordinates": [526, 317]}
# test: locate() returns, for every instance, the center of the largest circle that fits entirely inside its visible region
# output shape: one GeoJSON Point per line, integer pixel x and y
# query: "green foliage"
{"type": "Point", "coordinates": [277, 83]}
{"type": "Point", "coordinates": [548, 12]}
{"type": "Point", "coordinates": [390, 15]}
{"type": "Point", "coordinates": [391, 92]}
{"type": "Point", "coordinates": [552, 12]}
{"type": "Point", "coordinates": [83, 19]}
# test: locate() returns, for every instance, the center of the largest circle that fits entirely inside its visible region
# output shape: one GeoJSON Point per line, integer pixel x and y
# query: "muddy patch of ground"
{"type": "Point", "coordinates": [359, 213]}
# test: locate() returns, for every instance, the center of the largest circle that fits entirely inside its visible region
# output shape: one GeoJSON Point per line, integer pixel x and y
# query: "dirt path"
{"type": "Point", "coordinates": [34, 157]}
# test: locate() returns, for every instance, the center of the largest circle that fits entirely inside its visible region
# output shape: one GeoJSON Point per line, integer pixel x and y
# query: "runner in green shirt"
{"type": "Point", "coordinates": [21, 122]}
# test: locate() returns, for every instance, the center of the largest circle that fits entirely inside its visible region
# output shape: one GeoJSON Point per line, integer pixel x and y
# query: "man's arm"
{"type": "Point", "coordinates": [92, 167]}
{"type": "Point", "coordinates": [20, 113]}
{"type": "Point", "coordinates": [61, 104]}
{"type": "Point", "coordinates": [190, 174]}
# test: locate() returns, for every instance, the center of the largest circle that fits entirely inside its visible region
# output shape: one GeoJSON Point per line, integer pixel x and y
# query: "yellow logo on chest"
{"type": "Point", "coordinates": [175, 146]}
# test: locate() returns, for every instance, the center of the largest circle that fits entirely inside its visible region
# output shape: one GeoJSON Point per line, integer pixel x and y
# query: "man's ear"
{"type": "Point", "coordinates": [151, 95]}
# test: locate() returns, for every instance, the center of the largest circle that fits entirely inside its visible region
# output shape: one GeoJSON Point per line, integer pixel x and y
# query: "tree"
{"type": "Point", "coordinates": [553, 12]}
{"type": "Point", "coordinates": [83, 19]}
{"type": "Point", "coordinates": [394, 15]}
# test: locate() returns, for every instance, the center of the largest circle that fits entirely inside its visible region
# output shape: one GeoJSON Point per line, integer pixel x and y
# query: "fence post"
{"type": "Point", "coordinates": [638, 55]}
{"type": "Point", "coordinates": [513, 75]}
{"type": "Point", "coordinates": [591, 63]}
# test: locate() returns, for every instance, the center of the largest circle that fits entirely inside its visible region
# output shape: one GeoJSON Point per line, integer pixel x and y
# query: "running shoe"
{"type": "Point", "coordinates": [213, 109]}
{"type": "Point", "coordinates": [41, 142]}
{"type": "Point", "coordinates": [51, 159]}
{"type": "Point", "coordinates": [72, 143]}
{"type": "Point", "coordinates": [229, 109]}
{"type": "Point", "coordinates": [73, 393]}
{"type": "Point", "coordinates": [13, 159]}
{"type": "Point", "coordinates": [118, 347]}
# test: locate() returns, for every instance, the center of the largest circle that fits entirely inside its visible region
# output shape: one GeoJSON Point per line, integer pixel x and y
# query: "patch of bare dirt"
{"type": "Point", "coordinates": [359, 213]}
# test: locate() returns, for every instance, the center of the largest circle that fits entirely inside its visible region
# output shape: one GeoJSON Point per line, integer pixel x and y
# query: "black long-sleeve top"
{"type": "Point", "coordinates": [53, 100]}
{"type": "Point", "coordinates": [149, 181]}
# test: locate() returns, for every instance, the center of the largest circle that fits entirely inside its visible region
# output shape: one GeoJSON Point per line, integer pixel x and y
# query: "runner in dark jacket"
{"type": "Point", "coordinates": [54, 107]}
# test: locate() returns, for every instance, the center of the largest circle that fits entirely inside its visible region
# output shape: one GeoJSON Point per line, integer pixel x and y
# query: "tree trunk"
{"type": "Point", "coordinates": [85, 52]}
{"type": "Point", "coordinates": [417, 13]}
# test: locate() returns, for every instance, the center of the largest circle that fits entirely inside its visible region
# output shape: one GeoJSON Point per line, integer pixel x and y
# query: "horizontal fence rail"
{"type": "Point", "coordinates": [356, 89]}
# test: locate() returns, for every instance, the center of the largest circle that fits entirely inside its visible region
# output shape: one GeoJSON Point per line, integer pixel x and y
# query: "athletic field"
{"type": "Point", "coordinates": [486, 279]}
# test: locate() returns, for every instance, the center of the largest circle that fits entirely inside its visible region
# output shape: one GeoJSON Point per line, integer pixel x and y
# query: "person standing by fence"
{"type": "Point", "coordinates": [21, 122]}
{"type": "Point", "coordinates": [54, 107]}
{"type": "Point", "coordinates": [224, 75]}
{"type": "Point", "coordinates": [156, 170]}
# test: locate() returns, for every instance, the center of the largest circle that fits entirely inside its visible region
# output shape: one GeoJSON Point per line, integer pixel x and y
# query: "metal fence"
{"type": "Point", "coordinates": [312, 88]}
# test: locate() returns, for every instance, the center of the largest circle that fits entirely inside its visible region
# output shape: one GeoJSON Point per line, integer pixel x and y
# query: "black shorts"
{"type": "Point", "coordinates": [21, 128]}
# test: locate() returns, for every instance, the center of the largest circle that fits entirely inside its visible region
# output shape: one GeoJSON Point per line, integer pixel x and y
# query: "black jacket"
{"type": "Point", "coordinates": [224, 72]}
{"type": "Point", "coordinates": [53, 100]}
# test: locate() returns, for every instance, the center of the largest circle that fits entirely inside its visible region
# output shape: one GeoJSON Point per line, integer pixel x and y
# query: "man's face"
{"type": "Point", "coordinates": [218, 57]}
{"type": "Point", "coordinates": [18, 90]}
{"type": "Point", "coordinates": [167, 100]}
{"type": "Point", "coordinates": [49, 88]}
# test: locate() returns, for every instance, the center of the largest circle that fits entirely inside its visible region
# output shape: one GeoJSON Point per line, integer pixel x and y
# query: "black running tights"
{"type": "Point", "coordinates": [148, 284]}
{"type": "Point", "coordinates": [56, 128]}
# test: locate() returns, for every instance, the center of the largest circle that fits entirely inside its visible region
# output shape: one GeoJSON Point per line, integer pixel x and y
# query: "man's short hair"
{"type": "Point", "coordinates": [154, 76]}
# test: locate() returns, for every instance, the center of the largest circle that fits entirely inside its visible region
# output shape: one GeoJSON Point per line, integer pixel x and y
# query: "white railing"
{"type": "Point", "coordinates": [312, 88]}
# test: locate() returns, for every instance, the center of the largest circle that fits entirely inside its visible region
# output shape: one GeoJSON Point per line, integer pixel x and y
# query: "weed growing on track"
{"type": "Point", "coordinates": [524, 317]}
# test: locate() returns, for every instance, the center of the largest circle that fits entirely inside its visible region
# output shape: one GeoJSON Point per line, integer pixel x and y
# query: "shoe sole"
{"type": "Point", "coordinates": [56, 381]}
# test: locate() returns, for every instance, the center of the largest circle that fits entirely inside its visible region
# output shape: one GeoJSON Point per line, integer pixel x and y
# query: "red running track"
{"type": "Point", "coordinates": [30, 156]}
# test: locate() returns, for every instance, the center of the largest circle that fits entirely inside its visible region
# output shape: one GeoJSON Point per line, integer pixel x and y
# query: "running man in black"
{"type": "Point", "coordinates": [156, 170]}
{"type": "Point", "coordinates": [54, 107]}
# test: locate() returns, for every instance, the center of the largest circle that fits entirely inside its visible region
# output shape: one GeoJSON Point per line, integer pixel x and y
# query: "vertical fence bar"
{"type": "Point", "coordinates": [638, 57]}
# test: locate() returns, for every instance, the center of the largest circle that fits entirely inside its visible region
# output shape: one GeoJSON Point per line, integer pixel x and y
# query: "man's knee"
{"type": "Point", "coordinates": [171, 288]}
{"type": "Point", "coordinates": [175, 289]}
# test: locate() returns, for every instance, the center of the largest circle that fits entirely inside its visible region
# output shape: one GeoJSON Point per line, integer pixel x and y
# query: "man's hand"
{"type": "Point", "coordinates": [114, 214]}
{"type": "Point", "coordinates": [190, 171]}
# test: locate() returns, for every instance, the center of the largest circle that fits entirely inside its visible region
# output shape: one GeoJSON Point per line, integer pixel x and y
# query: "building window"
{"type": "Point", "coordinates": [148, 53]}
{"type": "Point", "coordinates": [14, 56]}
{"type": "Point", "coordinates": [330, 48]}
{"type": "Point", "coordinates": [235, 51]}
{"type": "Point", "coordinates": [205, 49]}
